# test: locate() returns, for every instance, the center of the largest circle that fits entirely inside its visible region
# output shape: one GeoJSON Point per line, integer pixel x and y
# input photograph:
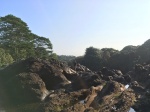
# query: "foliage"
{"type": "Point", "coordinates": [107, 54]}
{"type": "Point", "coordinates": [66, 58]}
{"type": "Point", "coordinates": [42, 47]}
{"type": "Point", "coordinates": [5, 58]}
{"type": "Point", "coordinates": [79, 59]}
{"type": "Point", "coordinates": [54, 56]}
{"type": "Point", "coordinates": [20, 42]}
{"type": "Point", "coordinates": [123, 60]}
{"type": "Point", "coordinates": [144, 52]}
{"type": "Point", "coordinates": [129, 49]}
{"type": "Point", "coordinates": [93, 58]}
{"type": "Point", "coordinates": [15, 37]}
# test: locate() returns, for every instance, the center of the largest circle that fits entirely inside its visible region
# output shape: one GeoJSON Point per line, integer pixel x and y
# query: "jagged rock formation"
{"type": "Point", "coordinates": [36, 85]}
{"type": "Point", "coordinates": [141, 86]}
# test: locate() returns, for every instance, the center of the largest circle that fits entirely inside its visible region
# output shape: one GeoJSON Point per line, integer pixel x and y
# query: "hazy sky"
{"type": "Point", "coordinates": [74, 25]}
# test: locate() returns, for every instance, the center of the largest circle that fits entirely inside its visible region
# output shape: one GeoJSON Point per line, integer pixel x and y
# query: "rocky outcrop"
{"type": "Point", "coordinates": [141, 85]}
{"type": "Point", "coordinates": [37, 85]}
{"type": "Point", "coordinates": [114, 98]}
{"type": "Point", "coordinates": [30, 80]}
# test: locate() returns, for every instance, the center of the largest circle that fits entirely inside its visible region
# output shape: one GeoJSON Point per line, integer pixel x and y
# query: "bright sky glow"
{"type": "Point", "coordinates": [74, 25]}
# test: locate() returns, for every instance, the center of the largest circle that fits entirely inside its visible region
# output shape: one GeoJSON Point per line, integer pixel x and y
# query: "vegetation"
{"type": "Point", "coordinates": [19, 42]}
{"type": "Point", "coordinates": [144, 52]}
{"type": "Point", "coordinates": [129, 49]}
{"type": "Point", "coordinates": [95, 58]}
{"type": "Point", "coordinates": [42, 47]}
{"type": "Point", "coordinates": [66, 58]}
{"type": "Point", "coordinates": [5, 58]}
{"type": "Point", "coordinates": [123, 60]}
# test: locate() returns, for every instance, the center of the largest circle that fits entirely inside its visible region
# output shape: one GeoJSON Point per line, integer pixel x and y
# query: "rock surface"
{"type": "Point", "coordinates": [36, 85]}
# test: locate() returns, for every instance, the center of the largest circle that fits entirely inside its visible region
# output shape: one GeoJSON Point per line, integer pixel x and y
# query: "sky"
{"type": "Point", "coordinates": [74, 25]}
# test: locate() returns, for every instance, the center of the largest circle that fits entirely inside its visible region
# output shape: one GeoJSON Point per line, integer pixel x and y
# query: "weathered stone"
{"type": "Point", "coordinates": [37, 85]}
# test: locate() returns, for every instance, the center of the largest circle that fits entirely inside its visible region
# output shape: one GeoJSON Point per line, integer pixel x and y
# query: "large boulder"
{"type": "Point", "coordinates": [30, 80]}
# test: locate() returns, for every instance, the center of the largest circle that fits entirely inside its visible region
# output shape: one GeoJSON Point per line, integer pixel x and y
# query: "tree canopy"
{"type": "Point", "coordinates": [93, 58]}
{"type": "Point", "coordinates": [42, 46]}
{"type": "Point", "coordinates": [129, 49]}
{"type": "Point", "coordinates": [5, 58]}
{"type": "Point", "coordinates": [20, 42]}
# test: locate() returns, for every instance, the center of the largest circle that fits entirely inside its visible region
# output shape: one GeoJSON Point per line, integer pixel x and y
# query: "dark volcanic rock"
{"type": "Point", "coordinates": [28, 81]}
{"type": "Point", "coordinates": [36, 85]}
{"type": "Point", "coordinates": [113, 98]}
{"type": "Point", "coordinates": [85, 80]}
{"type": "Point", "coordinates": [141, 86]}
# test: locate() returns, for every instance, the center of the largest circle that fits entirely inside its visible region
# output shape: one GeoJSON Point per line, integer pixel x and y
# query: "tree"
{"type": "Point", "coordinates": [20, 42]}
{"type": "Point", "coordinates": [54, 56]}
{"type": "Point", "coordinates": [15, 37]}
{"type": "Point", "coordinates": [5, 58]}
{"type": "Point", "coordinates": [93, 58]}
{"type": "Point", "coordinates": [129, 49]}
{"type": "Point", "coordinates": [91, 51]}
{"type": "Point", "coordinates": [108, 53]}
{"type": "Point", "coordinates": [42, 47]}
{"type": "Point", "coordinates": [144, 52]}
